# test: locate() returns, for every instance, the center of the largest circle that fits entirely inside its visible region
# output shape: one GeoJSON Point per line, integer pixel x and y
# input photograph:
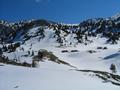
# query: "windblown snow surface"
{"type": "Point", "coordinates": [52, 76]}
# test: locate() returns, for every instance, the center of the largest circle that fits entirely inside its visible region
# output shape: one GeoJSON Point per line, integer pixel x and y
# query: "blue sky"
{"type": "Point", "coordinates": [67, 11]}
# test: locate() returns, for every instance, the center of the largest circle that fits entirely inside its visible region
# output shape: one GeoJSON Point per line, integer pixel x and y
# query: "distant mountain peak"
{"type": "Point", "coordinates": [116, 16]}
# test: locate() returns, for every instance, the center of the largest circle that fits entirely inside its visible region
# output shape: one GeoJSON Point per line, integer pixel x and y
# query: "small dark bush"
{"type": "Point", "coordinates": [105, 48]}
{"type": "Point", "coordinates": [99, 48]}
{"type": "Point", "coordinates": [64, 51]}
{"type": "Point", "coordinates": [74, 51]}
{"type": "Point", "coordinates": [91, 51]}
{"type": "Point", "coordinates": [102, 48]}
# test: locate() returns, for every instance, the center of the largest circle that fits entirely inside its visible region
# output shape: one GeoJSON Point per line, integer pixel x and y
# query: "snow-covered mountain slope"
{"type": "Point", "coordinates": [58, 52]}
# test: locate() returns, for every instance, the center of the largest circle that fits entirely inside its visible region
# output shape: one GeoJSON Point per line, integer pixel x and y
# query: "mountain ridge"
{"type": "Point", "coordinates": [90, 27]}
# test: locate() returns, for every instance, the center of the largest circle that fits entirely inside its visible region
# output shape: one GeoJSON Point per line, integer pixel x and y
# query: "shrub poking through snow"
{"type": "Point", "coordinates": [103, 48]}
{"type": "Point", "coordinates": [74, 51]}
{"type": "Point", "coordinates": [6, 60]}
{"type": "Point", "coordinates": [64, 51]}
{"type": "Point", "coordinates": [46, 55]}
{"type": "Point", "coordinates": [91, 51]}
{"type": "Point", "coordinates": [113, 68]}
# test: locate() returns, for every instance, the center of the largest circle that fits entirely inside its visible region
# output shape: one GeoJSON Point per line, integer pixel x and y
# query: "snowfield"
{"type": "Point", "coordinates": [49, 76]}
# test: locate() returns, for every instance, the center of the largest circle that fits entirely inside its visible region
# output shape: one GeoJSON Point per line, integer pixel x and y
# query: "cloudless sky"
{"type": "Point", "coordinates": [67, 11]}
